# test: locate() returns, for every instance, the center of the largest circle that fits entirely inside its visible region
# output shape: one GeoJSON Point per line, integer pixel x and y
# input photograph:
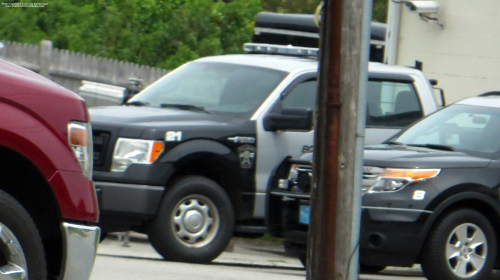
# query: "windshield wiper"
{"type": "Point", "coordinates": [397, 143]}
{"type": "Point", "coordinates": [434, 146]}
{"type": "Point", "coordinates": [137, 103]}
{"type": "Point", "coordinates": [184, 107]}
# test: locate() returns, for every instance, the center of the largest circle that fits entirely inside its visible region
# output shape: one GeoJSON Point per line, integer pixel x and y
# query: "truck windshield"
{"type": "Point", "coordinates": [215, 87]}
{"type": "Point", "coordinates": [468, 128]}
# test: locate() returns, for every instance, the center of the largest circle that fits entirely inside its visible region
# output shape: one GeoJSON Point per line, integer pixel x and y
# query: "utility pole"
{"type": "Point", "coordinates": [339, 138]}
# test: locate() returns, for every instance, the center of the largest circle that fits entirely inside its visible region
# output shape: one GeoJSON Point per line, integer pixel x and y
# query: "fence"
{"type": "Point", "coordinates": [69, 68]}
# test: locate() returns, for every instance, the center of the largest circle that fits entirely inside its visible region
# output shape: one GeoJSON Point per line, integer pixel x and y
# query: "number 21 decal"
{"type": "Point", "coordinates": [173, 136]}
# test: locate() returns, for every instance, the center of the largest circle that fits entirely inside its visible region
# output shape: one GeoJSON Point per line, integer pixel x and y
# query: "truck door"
{"type": "Point", "coordinates": [274, 146]}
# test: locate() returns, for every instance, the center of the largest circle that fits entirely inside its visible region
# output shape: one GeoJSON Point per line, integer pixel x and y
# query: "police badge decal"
{"type": "Point", "coordinates": [247, 155]}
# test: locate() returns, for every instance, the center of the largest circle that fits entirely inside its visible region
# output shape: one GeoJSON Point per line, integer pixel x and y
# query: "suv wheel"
{"type": "Point", "coordinates": [462, 245]}
{"type": "Point", "coordinates": [21, 250]}
{"type": "Point", "coordinates": [195, 221]}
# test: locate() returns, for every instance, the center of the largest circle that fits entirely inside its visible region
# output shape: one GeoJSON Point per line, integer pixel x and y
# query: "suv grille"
{"type": "Point", "coordinates": [370, 175]}
{"type": "Point", "coordinates": [101, 139]}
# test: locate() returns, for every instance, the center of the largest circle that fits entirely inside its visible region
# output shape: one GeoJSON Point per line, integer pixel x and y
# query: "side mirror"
{"type": "Point", "coordinates": [289, 119]}
{"type": "Point", "coordinates": [434, 83]}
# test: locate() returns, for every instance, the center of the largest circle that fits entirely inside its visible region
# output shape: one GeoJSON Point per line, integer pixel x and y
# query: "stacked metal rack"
{"type": "Point", "coordinates": [281, 31]}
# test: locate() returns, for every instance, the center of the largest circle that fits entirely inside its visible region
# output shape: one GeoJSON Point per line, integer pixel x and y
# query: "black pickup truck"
{"type": "Point", "coordinates": [188, 159]}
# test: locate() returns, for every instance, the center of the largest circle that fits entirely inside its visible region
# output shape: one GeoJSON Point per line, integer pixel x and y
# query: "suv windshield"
{"type": "Point", "coordinates": [215, 87]}
{"type": "Point", "coordinates": [471, 129]}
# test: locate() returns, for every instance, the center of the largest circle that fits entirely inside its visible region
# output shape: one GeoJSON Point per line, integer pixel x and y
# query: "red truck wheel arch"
{"type": "Point", "coordinates": [31, 138]}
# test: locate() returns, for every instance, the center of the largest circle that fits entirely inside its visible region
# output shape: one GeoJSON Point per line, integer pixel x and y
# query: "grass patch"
{"type": "Point", "coordinates": [267, 237]}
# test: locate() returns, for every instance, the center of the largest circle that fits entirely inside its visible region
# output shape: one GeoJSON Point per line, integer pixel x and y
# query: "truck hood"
{"type": "Point", "coordinates": [153, 123]}
{"type": "Point", "coordinates": [397, 156]}
{"type": "Point", "coordinates": [51, 104]}
{"type": "Point", "coordinates": [153, 116]}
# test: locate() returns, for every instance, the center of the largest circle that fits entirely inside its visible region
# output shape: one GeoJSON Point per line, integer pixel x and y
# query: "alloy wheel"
{"type": "Point", "coordinates": [466, 250]}
{"type": "Point", "coordinates": [13, 264]}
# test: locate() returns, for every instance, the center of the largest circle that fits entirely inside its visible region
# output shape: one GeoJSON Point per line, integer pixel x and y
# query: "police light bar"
{"type": "Point", "coordinates": [280, 49]}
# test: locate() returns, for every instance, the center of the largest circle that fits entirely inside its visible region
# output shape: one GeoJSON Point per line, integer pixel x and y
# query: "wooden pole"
{"type": "Point", "coordinates": [339, 134]}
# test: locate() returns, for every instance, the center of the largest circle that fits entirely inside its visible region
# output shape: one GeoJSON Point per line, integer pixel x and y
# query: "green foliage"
{"type": "Point", "coordinates": [309, 7]}
{"type": "Point", "coordinates": [162, 33]}
{"type": "Point", "coordinates": [380, 10]}
{"type": "Point", "coordinates": [291, 6]}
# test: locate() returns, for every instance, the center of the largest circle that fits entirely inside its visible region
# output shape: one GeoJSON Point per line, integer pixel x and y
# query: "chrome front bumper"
{"type": "Point", "coordinates": [80, 249]}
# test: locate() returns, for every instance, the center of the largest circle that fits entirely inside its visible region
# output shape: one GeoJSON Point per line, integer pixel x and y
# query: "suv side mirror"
{"type": "Point", "coordinates": [289, 119]}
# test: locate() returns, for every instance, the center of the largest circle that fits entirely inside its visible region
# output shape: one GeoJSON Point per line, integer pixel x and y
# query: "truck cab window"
{"type": "Point", "coordinates": [302, 96]}
{"type": "Point", "coordinates": [392, 104]}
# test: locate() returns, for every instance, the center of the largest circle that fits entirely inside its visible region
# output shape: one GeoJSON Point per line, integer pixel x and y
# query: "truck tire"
{"type": "Point", "coordinates": [195, 221]}
{"type": "Point", "coordinates": [21, 250]}
{"type": "Point", "coordinates": [462, 245]}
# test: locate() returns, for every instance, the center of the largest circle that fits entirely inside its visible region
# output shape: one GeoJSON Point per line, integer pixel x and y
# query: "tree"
{"type": "Point", "coordinates": [153, 32]}
{"type": "Point", "coordinates": [309, 7]}
{"type": "Point", "coordinates": [380, 10]}
{"type": "Point", "coordinates": [291, 6]}
{"type": "Point", "coordinates": [161, 33]}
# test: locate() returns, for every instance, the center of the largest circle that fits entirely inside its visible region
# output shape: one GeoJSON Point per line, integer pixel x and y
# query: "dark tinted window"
{"type": "Point", "coordinates": [302, 96]}
{"type": "Point", "coordinates": [392, 104]}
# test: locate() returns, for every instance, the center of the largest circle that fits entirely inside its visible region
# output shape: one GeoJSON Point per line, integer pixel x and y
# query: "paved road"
{"type": "Point", "coordinates": [248, 259]}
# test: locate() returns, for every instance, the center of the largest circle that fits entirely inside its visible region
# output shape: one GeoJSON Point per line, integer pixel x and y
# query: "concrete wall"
{"type": "Point", "coordinates": [70, 68]}
{"type": "Point", "coordinates": [464, 55]}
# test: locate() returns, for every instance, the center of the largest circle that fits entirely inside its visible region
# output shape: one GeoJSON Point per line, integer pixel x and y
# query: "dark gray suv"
{"type": "Point", "coordinates": [430, 195]}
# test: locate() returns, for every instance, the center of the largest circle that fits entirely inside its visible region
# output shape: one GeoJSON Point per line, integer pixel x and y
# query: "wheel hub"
{"type": "Point", "coordinates": [465, 252]}
{"type": "Point", "coordinates": [193, 220]}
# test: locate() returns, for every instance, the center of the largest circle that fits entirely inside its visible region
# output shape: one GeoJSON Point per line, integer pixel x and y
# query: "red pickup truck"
{"type": "Point", "coordinates": [48, 206]}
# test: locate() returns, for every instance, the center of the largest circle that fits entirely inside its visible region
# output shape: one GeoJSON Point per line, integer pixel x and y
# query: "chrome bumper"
{"type": "Point", "coordinates": [80, 249]}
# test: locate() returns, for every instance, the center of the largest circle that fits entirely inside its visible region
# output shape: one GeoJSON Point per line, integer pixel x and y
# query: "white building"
{"type": "Point", "coordinates": [461, 49]}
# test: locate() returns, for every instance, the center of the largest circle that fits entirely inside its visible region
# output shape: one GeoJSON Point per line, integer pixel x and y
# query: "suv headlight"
{"type": "Point", "coordinates": [130, 151]}
{"type": "Point", "coordinates": [392, 180]}
{"type": "Point", "coordinates": [80, 142]}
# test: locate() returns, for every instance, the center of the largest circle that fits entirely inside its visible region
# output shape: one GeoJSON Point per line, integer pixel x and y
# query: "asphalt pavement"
{"type": "Point", "coordinates": [244, 259]}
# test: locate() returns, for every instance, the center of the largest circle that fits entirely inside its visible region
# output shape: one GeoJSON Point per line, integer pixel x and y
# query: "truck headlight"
{"type": "Point", "coordinates": [80, 142]}
{"type": "Point", "coordinates": [392, 180]}
{"type": "Point", "coordinates": [130, 151]}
